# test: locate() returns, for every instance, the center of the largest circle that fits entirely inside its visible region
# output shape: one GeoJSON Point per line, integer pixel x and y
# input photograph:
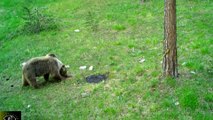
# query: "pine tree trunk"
{"type": "Point", "coordinates": [170, 48]}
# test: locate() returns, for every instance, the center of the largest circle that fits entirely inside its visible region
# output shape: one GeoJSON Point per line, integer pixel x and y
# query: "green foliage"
{"type": "Point", "coordinates": [92, 22]}
{"type": "Point", "coordinates": [189, 98]}
{"type": "Point", "coordinates": [154, 83]}
{"type": "Point", "coordinates": [171, 81]}
{"type": "Point", "coordinates": [209, 97]}
{"type": "Point", "coordinates": [119, 27]}
{"type": "Point", "coordinates": [36, 21]}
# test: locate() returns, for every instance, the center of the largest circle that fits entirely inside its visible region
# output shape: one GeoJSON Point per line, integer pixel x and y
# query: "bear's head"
{"type": "Point", "coordinates": [63, 71]}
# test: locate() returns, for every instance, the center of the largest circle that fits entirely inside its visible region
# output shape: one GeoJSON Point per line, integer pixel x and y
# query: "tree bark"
{"type": "Point", "coordinates": [170, 37]}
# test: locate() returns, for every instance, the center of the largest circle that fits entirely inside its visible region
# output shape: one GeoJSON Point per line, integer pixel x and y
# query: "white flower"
{"type": "Point", "coordinates": [84, 94]}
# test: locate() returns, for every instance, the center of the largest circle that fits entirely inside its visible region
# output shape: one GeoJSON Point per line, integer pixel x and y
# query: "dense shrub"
{"type": "Point", "coordinates": [36, 20]}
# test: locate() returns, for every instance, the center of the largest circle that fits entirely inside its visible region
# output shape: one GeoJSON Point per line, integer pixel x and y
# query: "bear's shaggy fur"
{"type": "Point", "coordinates": [42, 66]}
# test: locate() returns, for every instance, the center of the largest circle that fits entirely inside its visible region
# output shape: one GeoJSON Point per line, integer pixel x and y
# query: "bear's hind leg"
{"type": "Point", "coordinates": [24, 81]}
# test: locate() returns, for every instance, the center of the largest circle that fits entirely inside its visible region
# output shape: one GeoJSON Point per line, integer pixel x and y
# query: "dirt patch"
{"type": "Point", "coordinates": [96, 78]}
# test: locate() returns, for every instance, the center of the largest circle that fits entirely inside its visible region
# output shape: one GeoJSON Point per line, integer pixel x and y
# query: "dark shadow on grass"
{"type": "Point", "coordinates": [43, 83]}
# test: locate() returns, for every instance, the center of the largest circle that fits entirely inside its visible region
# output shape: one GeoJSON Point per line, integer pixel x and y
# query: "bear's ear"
{"type": "Point", "coordinates": [63, 71]}
{"type": "Point", "coordinates": [51, 55]}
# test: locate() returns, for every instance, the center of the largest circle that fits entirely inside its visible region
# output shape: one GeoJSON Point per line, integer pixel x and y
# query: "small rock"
{"type": "Point", "coordinates": [84, 94]}
{"type": "Point", "coordinates": [177, 103]}
{"type": "Point", "coordinates": [77, 30]}
{"type": "Point", "coordinates": [91, 68]}
{"type": "Point", "coordinates": [184, 63]}
{"type": "Point", "coordinates": [82, 67]}
{"type": "Point", "coordinates": [192, 72]}
{"type": "Point", "coordinates": [28, 106]}
{"type": "Point", "coordinates": [142, 60]}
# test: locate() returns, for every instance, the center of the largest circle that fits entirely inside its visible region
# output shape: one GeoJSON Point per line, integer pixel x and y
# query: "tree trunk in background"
{"type": "Point", "coordinates": [170, 48]}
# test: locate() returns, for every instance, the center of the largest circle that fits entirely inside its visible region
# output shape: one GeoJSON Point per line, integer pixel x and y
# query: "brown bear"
{"type": "Point", "coordinates": [43, 66]}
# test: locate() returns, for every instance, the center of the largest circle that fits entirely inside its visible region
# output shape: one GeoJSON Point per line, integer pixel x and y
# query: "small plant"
{"type": "Point", "coordinates": [119, 27]}
{"type": "Point", "coordinates": [36, 21]}
{"type": "Point", "coordinates": [91, 22]}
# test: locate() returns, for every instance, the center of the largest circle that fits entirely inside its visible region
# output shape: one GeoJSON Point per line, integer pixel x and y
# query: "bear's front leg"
{"type": "Point", "coordinates": [46, 76]}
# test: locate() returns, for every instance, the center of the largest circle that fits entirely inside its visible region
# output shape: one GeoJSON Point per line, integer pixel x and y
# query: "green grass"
{"type": "Point", "coordinates": [114, 35]}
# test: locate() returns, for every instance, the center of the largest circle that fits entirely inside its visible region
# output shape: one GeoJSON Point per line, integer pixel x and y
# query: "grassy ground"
{"type": "Point", "coordinates": [114, 35]}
